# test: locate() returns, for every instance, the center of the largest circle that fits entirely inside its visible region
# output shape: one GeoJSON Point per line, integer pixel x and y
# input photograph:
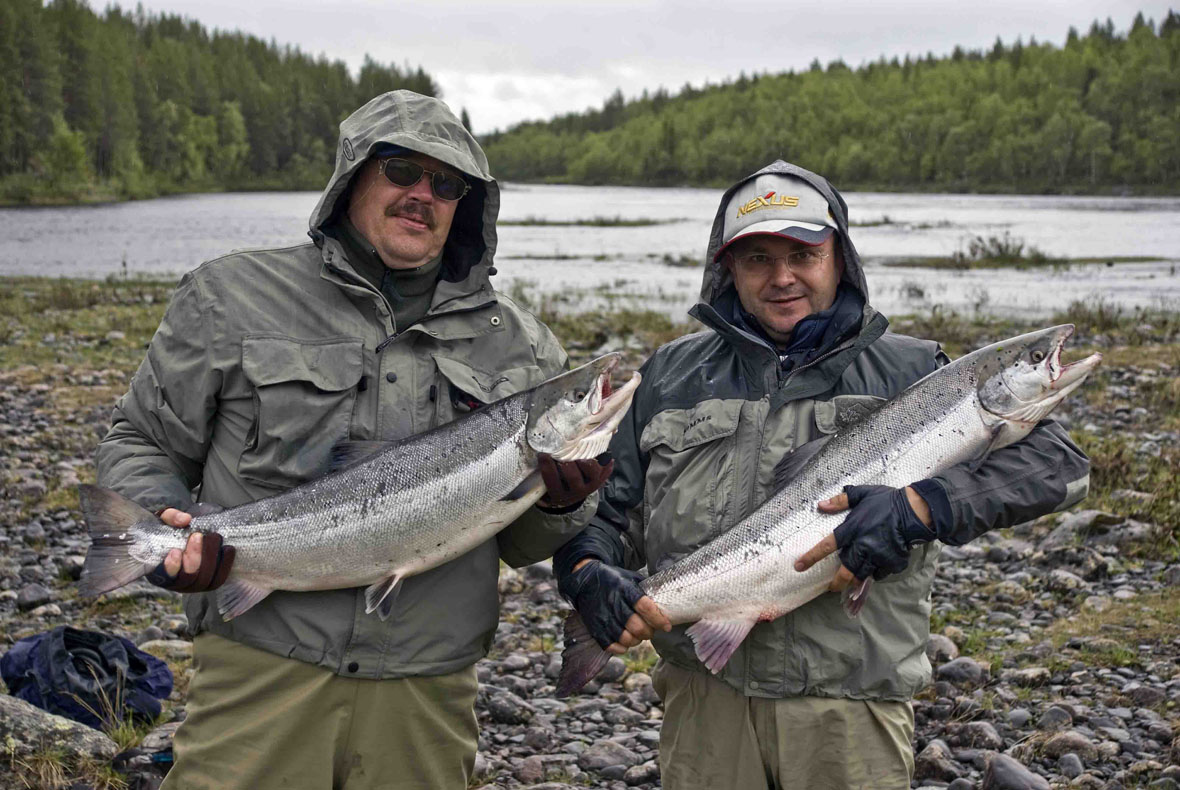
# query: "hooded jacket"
{"type": "Point", "coordinates": [267, 358]}
{"type": "Point", "coordinates": [715, 413]}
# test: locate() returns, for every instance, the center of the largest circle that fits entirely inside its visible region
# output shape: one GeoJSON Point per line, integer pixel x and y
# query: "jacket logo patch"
{"type": "Point", "coordinates": [491, 386]}
{"type": "Point", "coordinates": [349, 154]}
{"type": "Point", "coordinates": [698, 421]}
{"type": "Point", "coordinates": [769, 200]}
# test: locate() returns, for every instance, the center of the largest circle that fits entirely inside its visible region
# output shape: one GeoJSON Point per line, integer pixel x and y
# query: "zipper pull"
{"type": "Point", "coordinates": [381, 346]}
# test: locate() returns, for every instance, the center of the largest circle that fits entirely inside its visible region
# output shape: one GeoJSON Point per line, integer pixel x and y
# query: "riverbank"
{"type": "Point", "coordinates": [1055, 643]}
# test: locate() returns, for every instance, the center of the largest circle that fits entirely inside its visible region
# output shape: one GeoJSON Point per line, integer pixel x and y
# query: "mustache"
{"type": "Point", "coordinates": [782, 293]}
{"type": "Point", "coordinates": [413, 210]}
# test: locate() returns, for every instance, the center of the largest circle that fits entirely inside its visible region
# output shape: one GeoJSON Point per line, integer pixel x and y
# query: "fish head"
{"type": "Point", "coordinates": [574, 415]}
{"type": "Point", "coordinates": [1022, 379]}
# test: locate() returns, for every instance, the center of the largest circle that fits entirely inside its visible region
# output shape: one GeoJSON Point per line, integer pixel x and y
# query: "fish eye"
{"type": "Point", "coordinates": [1037, 355]}
{"type": "Point", "coordinates": [579, 395]}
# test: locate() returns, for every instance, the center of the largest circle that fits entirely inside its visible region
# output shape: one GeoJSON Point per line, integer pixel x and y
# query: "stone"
{"type": "Point", "coordinates": [507, 708]}
{"type": "Point", "coordinates": [510, 581]}
{"type": "Point", "coordinates": [1148, 696]}
{"type": "Point", "coordinates": [539, 572]}
{"type": "Point", "coordinates": [149, 634]}
{"type": "Point", "coordinates": [1097, 603]}
{"type": "Point", "coordinates": [175, 649]}
{"type": "Point", "coordinates": [46, 610]}
{"type": "Point", "coordinates": [26, 729]}
{"type": "Point", "coordinates": [955, 634]}
{"type": "Point", "coordinates": [1070, 766]}
{"type": "Point", "coordinates": [1027, 676]}
{"type": "Point", "coordinates": [621, 715]}
{"type": "Point", "coordinates": [935, 762]}
{"type": "Point", "coordinates": [1067, 742]}
{"type": "Point", "coordinates": [962, 670]}
{"type": "Point", "coordinates": [642, 774]}
{"type": "Point", "coordinates": [516, 663]}
{"type": "Point", "coordinates": [961, 784]}
{"type": "Point", "coordinates": [940, 649]}
{"type": "Point", "coordinates": [614, 670]}
{"type": "Point", "coordinates": [603, 754]}
{"type": "Point", "coordinates": [1171, 576]}
{"type": "Point", "coordinates": [482, 765]}
{"type": "Point", "coordinates": [531, 770]}
{"type": "Point", "coordinates": [31, 596]}
{"type": "Point", "coordinates": [1055, 718]}
{"type": "Point", "coordinates": [1018, 717]}
{"type": "Point", "coordinates": [1061, 580]}
{"type": "Point", "coordinates": [1007, 773]}
{"type": "Point", "coordinates": [637, 681]}
{"type": "Point", "coordinates": [982, 735]}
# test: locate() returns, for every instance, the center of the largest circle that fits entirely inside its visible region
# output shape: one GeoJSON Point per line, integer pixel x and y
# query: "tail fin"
{"type": "Point", "coordinates": [113, 520]}
{"type": "Point", "coordinates": [581, 659]}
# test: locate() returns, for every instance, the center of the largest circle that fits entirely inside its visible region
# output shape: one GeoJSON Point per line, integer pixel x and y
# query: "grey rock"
{"type": "Point", "coordinates": [1061, 580]}
{"type": "Point", "coordinates": [46, 610]}
{"type": "Point", "coordinates": [1055, 718]}
{"type": "Point", "coordinates": [1007, 773]}
{"type": "Point", "coordinates": [516, 663]}
{"type": "Point", "coordinates": [175, 649]}
{"type": "Point", "coordinates": [603, 754]}
{"type": "Point", "coordinates": [1171, 576]}
{"type": "Point", "coordinates": [530, 770]}
{"type": "Point", "coordinates": [614, 670]}
{"type": "Point", "coordinates": [1018, 717]}
{"type": "Point", "coordinates": [940, 649]}
{"type": "Point", "coordinates": [642, 774]}
{"type": "Point", "coordinates": [482, 765]}
{"type": "Point", "coordinates": [935, 762]}
{"type": "Point", "coordinates": [539, 572]}
{"type": "Point", "coordinates": [621, 715]}
{"type": "Point", "coordinates": [507, 708]}
{"type": "Point", "coordinates": [961, 671]}
{"type": "Point", "coordinates": [25, 729]}
{"type": "Point", "coordinates": [1070, 766]}
{"type": "Point", "coordinates": [1148, 696]}
{"type": "Point", "coordinates": [1027, 676]}
{"type": "Point", "coordinates": [31, 596]}
{"type": "Point", "coordinates": [613, 772]}
{"type": "Point", "coordinates": [961, 784]}
{"type": "Point", "coordinates": [982, 735]}
{"type": "Point", "coordinates": [149, 634]}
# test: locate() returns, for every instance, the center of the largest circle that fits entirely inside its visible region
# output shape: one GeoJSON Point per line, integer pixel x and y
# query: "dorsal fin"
{"type": "Point", "coordinates": [793, 462]}
{"type": "Point", "coordinates": [345, 454]}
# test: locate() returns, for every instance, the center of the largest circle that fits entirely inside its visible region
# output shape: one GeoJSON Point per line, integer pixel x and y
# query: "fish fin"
{"type": "Point", "coordinates": [382, 596]}
{"type": "Point", "coordinates": [345, 454]}
{"type": "Point", "coordinates": [854, 597]}
{"type": "Point", "coordinates": [581, 658]}
{"type": "Point", "coordinates": [793, 462]}
{"type": "Point", "coordinates": [238, 596]}
{"type": "Point", "coordinates": [715, 640]}
{"type": "Point", "coordinates": [113, 521]}
{"type": "Point", "coordinates": [997, 434]}
{"type": "Point", "coordinates": [526, 485]}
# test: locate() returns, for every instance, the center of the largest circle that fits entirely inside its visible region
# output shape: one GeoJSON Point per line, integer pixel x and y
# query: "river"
{"type": "Point", "coordinates": [587, 266]}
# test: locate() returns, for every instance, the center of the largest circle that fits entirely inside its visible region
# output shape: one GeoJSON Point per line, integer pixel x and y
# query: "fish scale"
{"type": "Point", "coordinates": [391, 511]}
{"type": "Point", "coordinates": [960, 412]}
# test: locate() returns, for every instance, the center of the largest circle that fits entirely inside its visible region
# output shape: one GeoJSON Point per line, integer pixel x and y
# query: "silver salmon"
{"type": "Point", "coordinates": [389, 511]}
{"type": "Point", "coordinates": [960, 412]}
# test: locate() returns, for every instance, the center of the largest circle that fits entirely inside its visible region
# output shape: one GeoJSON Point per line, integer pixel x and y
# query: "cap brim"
{"type": "Point", "coordinates": [806, 232]}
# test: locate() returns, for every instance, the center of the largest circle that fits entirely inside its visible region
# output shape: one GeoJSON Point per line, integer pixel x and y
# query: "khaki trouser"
{"type": "Point", "coordinates": [715, 738]}
{"type": "Point", "coordinates": [258, 721]}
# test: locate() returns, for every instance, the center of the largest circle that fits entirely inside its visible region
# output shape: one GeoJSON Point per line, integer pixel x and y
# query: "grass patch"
{"type": "Point", "coordinates": [873, 223]}
{"type": "Point", "coordinates": [591, 222]}
{"type": "Point", "coordinates": [641, 658]}
{"type": "Point", "coordinates": [1148, 619]}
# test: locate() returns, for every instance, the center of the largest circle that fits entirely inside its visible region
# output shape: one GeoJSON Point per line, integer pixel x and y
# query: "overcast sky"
{"type": "Point", "coordinates": [508, 60]}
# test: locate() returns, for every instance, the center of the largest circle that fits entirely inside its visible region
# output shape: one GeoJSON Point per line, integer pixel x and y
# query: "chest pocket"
{"type": "Point", "coordinates": [304, 393]}
{"type": "Point", "coordinates": [690, 476]}
{"type": "Point", "coordinates": [461, 388]}
{"type": "Point", "coordinates": [832, 416]}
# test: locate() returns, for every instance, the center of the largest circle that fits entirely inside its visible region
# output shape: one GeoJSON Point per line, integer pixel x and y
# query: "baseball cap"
{"type": "Point", "coordinates": [780, 204]}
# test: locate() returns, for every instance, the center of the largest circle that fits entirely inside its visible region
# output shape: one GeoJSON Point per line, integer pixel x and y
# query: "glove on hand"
{"type": "Point", "coordinates": [568, 483]}
{"type": "Point", "coordinates": [881, 528]}
{"type": "Point", "coordinates": [216, 562]}
{"type": "Point", "coordinates": [604, 596]}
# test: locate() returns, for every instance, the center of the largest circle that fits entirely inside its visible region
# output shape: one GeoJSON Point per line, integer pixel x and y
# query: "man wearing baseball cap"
{"type": "Point", "coordinates": [792, 351]}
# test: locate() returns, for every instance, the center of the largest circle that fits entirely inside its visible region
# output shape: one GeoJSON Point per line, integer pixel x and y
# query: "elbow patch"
{"type": "Point", "coordinates": [1075, 491]}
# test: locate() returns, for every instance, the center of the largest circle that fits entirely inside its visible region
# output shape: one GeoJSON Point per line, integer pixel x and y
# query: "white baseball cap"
{"type": "Point", "coordinates": [777, 204]}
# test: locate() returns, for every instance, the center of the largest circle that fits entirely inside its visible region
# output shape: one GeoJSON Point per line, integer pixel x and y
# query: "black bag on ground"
{"type": "Point", "coordinates": [87, 676]}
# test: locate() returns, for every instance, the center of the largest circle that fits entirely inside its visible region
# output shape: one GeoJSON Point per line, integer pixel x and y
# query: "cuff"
{"type": "Point", "coordinates": [939, 503]}
{"type": "Point", "coordinates": [594, 541]}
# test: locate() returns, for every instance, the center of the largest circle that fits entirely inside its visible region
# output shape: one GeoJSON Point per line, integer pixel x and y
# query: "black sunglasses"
{"type": "Point", "coordinates": [404, 173]}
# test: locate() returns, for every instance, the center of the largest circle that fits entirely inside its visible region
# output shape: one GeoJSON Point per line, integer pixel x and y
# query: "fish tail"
{"type": "Point", "coordinates": [854, 597]}
{"type": "Point", "coordinates": [113, 521]}
{"type": "Point", "coordinates": [581, 659]}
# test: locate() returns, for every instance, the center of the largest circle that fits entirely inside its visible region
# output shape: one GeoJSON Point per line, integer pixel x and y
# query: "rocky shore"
{"type": "Point", "coordinates": [1056, 644]}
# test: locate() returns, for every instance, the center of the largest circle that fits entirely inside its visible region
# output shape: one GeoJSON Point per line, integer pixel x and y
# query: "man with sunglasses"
{"type": "Point", "coordinates": [383, 326]}
{"type": "Point", "coordinates": [792, 350]}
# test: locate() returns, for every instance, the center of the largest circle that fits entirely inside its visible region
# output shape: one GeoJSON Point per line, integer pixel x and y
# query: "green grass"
{"type": "Point", "coordinates": [641, 658]}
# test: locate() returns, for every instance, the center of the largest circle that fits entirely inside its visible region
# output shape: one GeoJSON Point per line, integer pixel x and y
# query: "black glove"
{"type": "Point", "coordinates": [881, 528]}
{"type": "Point", "coordinates": [216, 562]}
{"type": "Point", "coordinates": [568, 483]}
{"type": "Point", "coordinates": [605, 596]}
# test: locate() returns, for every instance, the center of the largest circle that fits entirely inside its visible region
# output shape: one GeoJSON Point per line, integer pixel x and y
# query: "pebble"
{"type": "Point", "coordinates": [1067, 742]}
{"type": "Point", "coordinates": [31, 596]}
{"type": "Point", "coordinates": [1006, 773]}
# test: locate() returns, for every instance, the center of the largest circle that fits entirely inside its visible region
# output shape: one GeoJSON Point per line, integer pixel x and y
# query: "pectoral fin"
{"type": "Point", "coordinates": [715, 640]}
{"type": "Point", "coordinates": [382, 596]}
{"type": "Point", "coordinates": [237, 596]}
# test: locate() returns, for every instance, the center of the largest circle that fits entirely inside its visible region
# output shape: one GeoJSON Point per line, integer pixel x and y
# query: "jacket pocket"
{"type": "Point", "coordinates": [304, 393]}
{"type": "Point", "coordinates": [462, 388]}
{"type": "Point", "coordinates": [841, 411]}
{"type": "Point", "coordinates": [690, 472]}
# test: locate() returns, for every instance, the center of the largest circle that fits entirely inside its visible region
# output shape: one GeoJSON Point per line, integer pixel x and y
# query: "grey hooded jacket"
{"type": "Point", "coordinates": [696, 453]}
{"type": "Point", "coordinates": [267, 358]}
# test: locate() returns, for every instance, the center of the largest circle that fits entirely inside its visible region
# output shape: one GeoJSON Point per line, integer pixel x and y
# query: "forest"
{"type": "Point", "coordinates": [124, 105]}
{"type": "Point", "coordinates": [130, 105]}
{"type": "Point", "coordinates": [1099, 114]}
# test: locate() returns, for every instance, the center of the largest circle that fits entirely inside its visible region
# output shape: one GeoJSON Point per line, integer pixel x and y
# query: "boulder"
{"type": "Point", "coordinates": [1006, 773]}
{"type": "Point", "coordinates": [26, 730]}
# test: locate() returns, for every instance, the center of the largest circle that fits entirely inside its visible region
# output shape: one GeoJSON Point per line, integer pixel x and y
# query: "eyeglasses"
{"type": "Point", "coordinates": [798, 261]}
{"type": "Point", "coordinates": [404, 173]}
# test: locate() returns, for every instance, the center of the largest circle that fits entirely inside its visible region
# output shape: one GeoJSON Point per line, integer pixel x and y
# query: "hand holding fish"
{"type": "Point", "coordinates": [568, 483]}
{"type": "Point", "coordinates": [204, 563]}
{"type": "Point", "coordinates": [617, 613]}
{"type": "Point", "coordinates": [875, 519]}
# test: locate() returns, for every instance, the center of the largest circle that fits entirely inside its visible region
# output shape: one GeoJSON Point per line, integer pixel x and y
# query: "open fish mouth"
{"type": "Point", "coordinates": [1064, 379]}
{"type": "Point", "coordinates": [607, 408]}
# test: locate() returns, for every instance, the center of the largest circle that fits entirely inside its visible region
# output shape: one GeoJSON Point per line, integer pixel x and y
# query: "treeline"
{"type": "Point", "coordinates": [132, 105]}
{"type": "Point", "coordinates": [1101, 112]}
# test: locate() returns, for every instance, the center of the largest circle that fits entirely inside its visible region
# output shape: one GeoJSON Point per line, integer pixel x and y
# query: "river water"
{"type": "Point", "coordinates": [586, 266]}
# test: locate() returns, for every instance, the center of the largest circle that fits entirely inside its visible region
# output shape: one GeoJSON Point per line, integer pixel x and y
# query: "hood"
{"type": "Point", "coordinates": [717, 278]}
{"type": "Point", "coordinates": [426, 125]}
